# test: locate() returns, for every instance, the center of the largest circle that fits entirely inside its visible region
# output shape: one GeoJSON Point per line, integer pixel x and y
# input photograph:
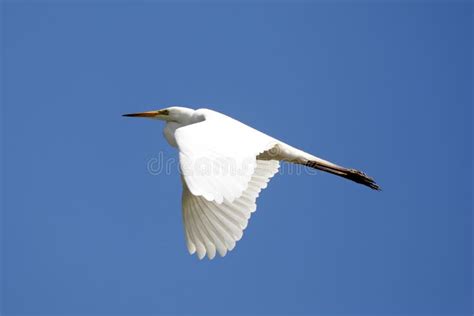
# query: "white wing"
{"type": "Point", "coordinates": [218, 155]}
{"type": "Point", "coordinates": [211, 226]}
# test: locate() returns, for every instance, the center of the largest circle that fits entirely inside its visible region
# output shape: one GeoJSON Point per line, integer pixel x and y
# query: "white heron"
{"type": "Point", "coordinates": [225, 164]}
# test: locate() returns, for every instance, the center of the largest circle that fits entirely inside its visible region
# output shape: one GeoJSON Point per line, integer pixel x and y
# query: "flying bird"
{"type": "Point", "coordinates": [224, 166]}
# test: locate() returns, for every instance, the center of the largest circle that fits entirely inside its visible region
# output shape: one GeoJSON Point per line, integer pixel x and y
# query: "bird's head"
{"type": "Point", "coordinates": [172, 114]}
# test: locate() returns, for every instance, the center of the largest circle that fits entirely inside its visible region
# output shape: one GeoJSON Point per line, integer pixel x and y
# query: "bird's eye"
{"type": "Point", "coordinates": [164, 112]}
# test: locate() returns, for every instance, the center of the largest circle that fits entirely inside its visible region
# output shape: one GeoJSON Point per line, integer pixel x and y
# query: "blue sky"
{"type": "Point", "coordinates": [383, 87]}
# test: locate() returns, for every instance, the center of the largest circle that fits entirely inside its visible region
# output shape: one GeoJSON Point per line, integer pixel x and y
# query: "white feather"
{"type": "Point", "coordinates": [211, 226]}
{"type": "Point", "coordinates": [218, 165]}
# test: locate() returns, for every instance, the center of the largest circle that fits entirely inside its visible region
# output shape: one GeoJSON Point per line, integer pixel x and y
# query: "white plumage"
{"type": "Point", "coordinates": [225, 164]}
{"type": "Point", "coordinates": [218, 155]}
{"type": "Point", "coordinates": [212, 226]}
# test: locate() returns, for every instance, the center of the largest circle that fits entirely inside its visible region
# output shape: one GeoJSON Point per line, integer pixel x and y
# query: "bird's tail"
{"type": "Point", "coordinates": [351, 174]}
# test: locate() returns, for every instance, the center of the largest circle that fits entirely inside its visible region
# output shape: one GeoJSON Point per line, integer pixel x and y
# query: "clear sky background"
{"type": "Point", "coordinates": [382, 87]}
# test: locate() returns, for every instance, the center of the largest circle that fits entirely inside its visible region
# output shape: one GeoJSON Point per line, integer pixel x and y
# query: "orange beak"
{"type": "Point", "coordinates": [143, 114]}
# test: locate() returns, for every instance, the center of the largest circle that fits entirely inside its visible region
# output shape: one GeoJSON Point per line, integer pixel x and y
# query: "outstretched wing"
{"type": "Point", "coordinates": [218, 155]}
{"type": "Point", "coordinates": [211, 226]}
